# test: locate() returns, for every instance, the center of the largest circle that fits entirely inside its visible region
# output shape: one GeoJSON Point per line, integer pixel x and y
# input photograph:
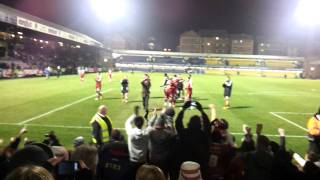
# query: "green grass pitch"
{"type": "Point", "coordinates": [66, 105]}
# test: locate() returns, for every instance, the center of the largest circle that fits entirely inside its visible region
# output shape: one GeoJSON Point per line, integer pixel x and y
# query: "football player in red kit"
{"type": "Point", "coordinates": [98, 86]}
{"type": "Point", "coordinates": [164, 85]}
{"type": "Point", "coordinates": [82, 73]}
{"type": "Point", "coordinates": [110, 75]}
{"type": "Point", "coordinates": [188, 89]}
{"type": "Point", "coordinates": [170, 93]}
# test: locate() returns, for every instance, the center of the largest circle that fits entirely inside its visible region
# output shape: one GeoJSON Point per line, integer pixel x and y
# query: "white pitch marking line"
{"type": "Point", "coordinates": [282, 94]}
{"type": "Point", "coordinates": [88, 127]}
{"type": "Point", "coordinates": [58, 109]}
{"type": "Point", "coordinates": [299, 113]}
{"type": "Point", "coordinates": [287, 120]}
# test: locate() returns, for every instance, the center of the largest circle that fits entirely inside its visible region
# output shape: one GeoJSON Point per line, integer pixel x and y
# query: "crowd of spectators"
{"type": "Point", "coordinates": [162, 147]}
{"type": "Point", "coordinates": [37, 54]}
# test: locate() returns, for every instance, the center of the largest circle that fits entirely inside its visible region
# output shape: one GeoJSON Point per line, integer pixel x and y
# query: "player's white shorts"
{"type": "Point", "coordinates": [98, 89]}
{"type": "Point", "coordinates": [227, 97]}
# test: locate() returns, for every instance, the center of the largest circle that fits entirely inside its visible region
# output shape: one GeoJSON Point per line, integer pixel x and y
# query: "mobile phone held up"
{"type": "Point", "coordinates": [194, 104]}
{"type": "Point", "coordinates": [68, 168]}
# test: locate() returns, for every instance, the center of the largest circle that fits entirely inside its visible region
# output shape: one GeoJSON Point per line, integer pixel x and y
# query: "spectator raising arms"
{"type": "Point", "coordinates": [160, 137]}
{"type": "Point", "coordinates": [195, 139]}
{"type": "Point", "coordinates": [137, 141]}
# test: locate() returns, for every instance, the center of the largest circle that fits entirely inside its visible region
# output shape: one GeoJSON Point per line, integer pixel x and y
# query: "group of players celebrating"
{"type": "Point", "coordinates": [174, 88]}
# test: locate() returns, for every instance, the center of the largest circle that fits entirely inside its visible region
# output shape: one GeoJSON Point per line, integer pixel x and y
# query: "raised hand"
{"type": "Point", "coordinates": [154, 112]}
{"type": "Point", "coordinates": [212, 106]}
{"type": "Point", "coordinates": [199, 106]}
{"type": "Point", "coordinates": [136, 110]}
{"type": "Point", "coordinates": [246, 129]}
{"type": "Point", "coordinates": [281, 132]}
{"type": "Point", "coordinates": [23, 130]}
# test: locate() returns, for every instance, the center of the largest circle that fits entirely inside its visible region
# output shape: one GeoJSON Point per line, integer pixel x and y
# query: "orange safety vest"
{"type": "Point", "coordinates": [313, 126]}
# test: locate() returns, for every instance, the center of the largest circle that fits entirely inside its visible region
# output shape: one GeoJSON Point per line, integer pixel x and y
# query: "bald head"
{"type": "Point", "coordinates": [103, 109]}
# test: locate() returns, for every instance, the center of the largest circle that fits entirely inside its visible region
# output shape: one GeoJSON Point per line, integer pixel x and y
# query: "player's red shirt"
{"type": "Point", "coordinates": [175, 82]}
{"type": "Point", "coordinates": [189, 84]}
{"type": "Point", "coordinates": [98, 82]}
{"type": "Point", "coordinates": [110, 74]}
{"type": "Point", "coordinates": [82, 73]}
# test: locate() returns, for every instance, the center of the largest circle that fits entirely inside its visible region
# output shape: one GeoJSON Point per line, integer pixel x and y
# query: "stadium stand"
{"type": "Point", "coordinates": [29, 44]}
{"type": "Point", "coordinates": [254, 72]}
{"type": "Point", "coordinates": [216, 66]}
{"type": "Point", "coordinates": [242, 62]}
{"type": "Point", "coordinates": [243, 65]}
{"type": "Point", "coordinates": [213, 61]}
{"type": "Point", "coordinates": [280, 64]}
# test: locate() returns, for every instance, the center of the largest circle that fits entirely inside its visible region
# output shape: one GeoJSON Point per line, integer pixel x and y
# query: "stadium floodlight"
{"type": "Point", "coordinates": [307, 12]}
{"type": "Point", "coordinates": [20, 33]}
{"type": "Point", "coordinates": [110, 10]}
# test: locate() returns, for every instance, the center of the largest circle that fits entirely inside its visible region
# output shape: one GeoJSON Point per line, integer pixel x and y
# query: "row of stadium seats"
{"type": "Point", "coordinates": [280, 64]}
{"type": "Point", "coordinates": [213, 62]}
{"type": "Point", "coordinates": [242, 62]}
{"type": "Point", "coordinates": [273, 64]}
{"type": "Point", "coordinates": [256, 73]}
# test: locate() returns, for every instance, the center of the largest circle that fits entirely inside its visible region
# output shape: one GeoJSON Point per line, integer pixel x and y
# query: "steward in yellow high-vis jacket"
{"type": "Point", "coordinates": [313, 126]}
{"type": "Point", "coordinates": [101, 126]}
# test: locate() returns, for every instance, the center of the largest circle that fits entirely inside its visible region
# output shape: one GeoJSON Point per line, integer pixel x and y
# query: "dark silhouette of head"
{"type": "Point", "coordinates": [194, 122]}
{"type": "Point", "coordinates": [160, 122]}
{"type": "Point", "coordinates": [224, 124]}
{"type": "Point", "coordinates": [170, 112]}
{"type": "Point", "coordinates": [116, 135]}
{"type": "Point", "coordinates": [138, 122]}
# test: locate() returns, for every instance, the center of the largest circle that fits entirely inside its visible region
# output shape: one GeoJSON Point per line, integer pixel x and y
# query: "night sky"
{"type": "Point", "coordinates": [166, 19]}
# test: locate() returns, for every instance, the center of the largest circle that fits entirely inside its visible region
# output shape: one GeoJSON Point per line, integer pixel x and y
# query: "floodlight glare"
{"type": "Point", "coordinates": [109, 10]}
{"type": "Point", "coordinates": [307, 12]}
